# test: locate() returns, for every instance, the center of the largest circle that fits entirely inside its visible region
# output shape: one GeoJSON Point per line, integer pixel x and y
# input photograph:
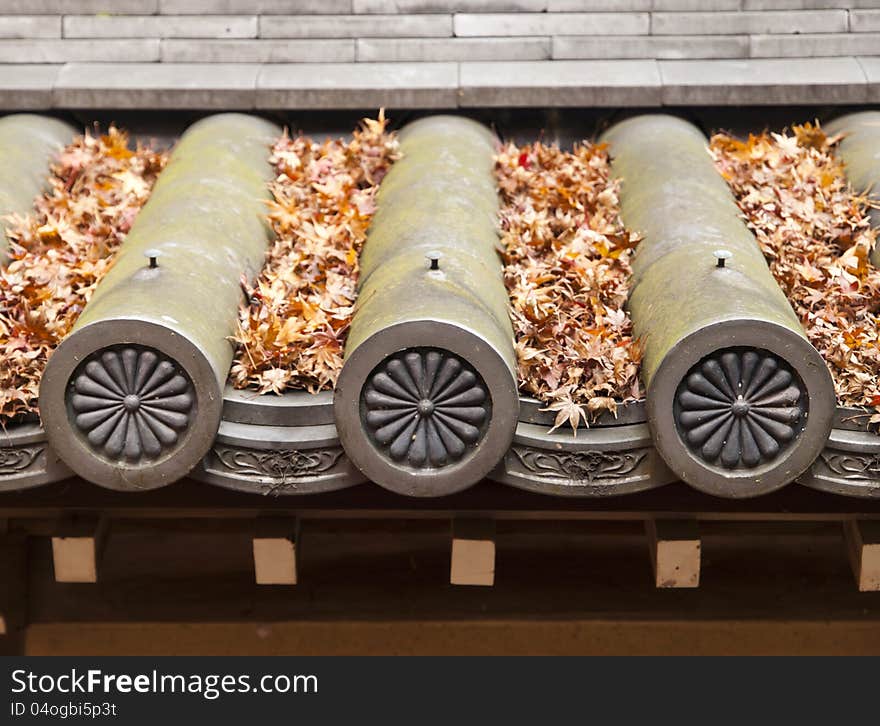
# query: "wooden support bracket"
{"type": "Point", "coordinates": [77, 548]}
{"type": "Point", "coordinates": [863, 544]}
{"type": "Point", "coordinates": [473, 552]}
{"type": "Point", "coordinates": [675, 552]}
{"type": "Point", "coordinates": [275, 544]}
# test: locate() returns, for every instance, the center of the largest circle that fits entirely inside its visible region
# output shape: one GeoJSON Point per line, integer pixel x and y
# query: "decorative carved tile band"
{"type": "Point", "coordinates": [15, 460]}
{"type": "Point", "coordinates": [847, 465]}
{"type": "Point", "coordinates": [580, 466]}
{"type": "Point", "coordinates": [281, 464]}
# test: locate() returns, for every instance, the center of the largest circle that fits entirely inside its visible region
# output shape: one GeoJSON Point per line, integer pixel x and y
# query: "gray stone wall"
{"type": "Point", "coordinates": [454, 51]}
{"type": "Point", "coordinates": [303, 31]}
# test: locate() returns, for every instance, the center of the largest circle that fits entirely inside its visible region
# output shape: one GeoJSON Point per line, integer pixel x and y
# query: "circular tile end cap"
{"type": "Point", "coordinates": [426, 409]}
{"type": "Point", "coordinates": [741, 408]}
{"type": "Point", "coordinates": [129, 404]}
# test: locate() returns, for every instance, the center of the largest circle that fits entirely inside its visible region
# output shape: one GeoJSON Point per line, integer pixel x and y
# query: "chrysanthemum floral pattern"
{"type": "Point", "coordinates": [131, 403]}
{"type": "Point", "coordinates": [740, 408]}
{"type": "Point", "coordinates": [425, 408]}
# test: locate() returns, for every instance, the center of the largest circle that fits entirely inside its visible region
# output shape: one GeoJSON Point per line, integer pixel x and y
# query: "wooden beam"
{"type": "Point", "coordinates": [275, 546]}
{"type": "Point", "coordinates": [473, 552]}
{"type": "Point", "coordinates": [77, 549]}
{"type": "Point", "coordinates": [863, 545]}
{"type": "Point", "coordinates": [192, 500]}
{"type": "Point", "coordinates": [675, 552]}
{"type": "Point", "coordinates": [475, 634]}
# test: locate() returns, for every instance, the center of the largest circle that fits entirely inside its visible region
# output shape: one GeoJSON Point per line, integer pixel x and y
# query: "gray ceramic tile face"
{"type": "Point", "coordinates": [815, 46]}
{"type": "Point", "coordinates": [83, 7]}
{"type": "Point", "coordinates": [156, 85]}
{"type": "Point", "coordinates": [356, 26]}
{"type": "Point", "coordinates": [871, 69]}
{"type": "Point", "coordinates": [30, 26]}
{"type": "Point", "coordinates": [67, 51]}
{"type": "Point", "coordinates": [344, 85]}
{"type": "Point", "coordinates": [257, 51]}
{"type": "Point", "coordinates": [762, 81]}
{"type": "Point", "coordinates": [25, 87]}
{"type": "Point", "coordinates": [452, 49]}
{"type": "Point", "coordinates": [560, 83]}
{"type": "Point", "coordinates": [620, 6]}
{"type": "Point", "coordinates": [864, 21]}
{"type": "Point", "coordinates": [449, 6]}
{"type": "Point", "coordinates": [160, 26]}
{"type": "Point", "coordinates": [233, 7]}
{"type": "Point", "coordinates": [665, 47]}
{"type": "Point", "coordinates": [799, 4]}
{"type": "Point", "coordinates": [514, 39]}
{"type": "Point", "coordinates": [736, 23]}
{"type": "Point", "coordinates": [500, 25]}
{"type": "Point", "coordinates": [696, 5]}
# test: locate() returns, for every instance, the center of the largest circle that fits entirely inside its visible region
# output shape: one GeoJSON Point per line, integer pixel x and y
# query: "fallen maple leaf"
{"type": "Point", "coordinates": [814, 231]}
{"type": "Point", "coordinates": [567, 270]}
{"type": "Point", "coordinates": [61, 250]}
{"type": "Point", "coordinates": [291, 335]}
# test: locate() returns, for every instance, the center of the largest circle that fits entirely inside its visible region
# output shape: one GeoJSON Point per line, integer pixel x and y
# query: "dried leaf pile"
{"type": "Point", "coordinates": [60, 251]}
{"type": "Point", "coordinates": [292, 333]}
{"type": "Point", "coordinates": [567, 271]}
{"type": "Point", "coordinates": [814, 231]}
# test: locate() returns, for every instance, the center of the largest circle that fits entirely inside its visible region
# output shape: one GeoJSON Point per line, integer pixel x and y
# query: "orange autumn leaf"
{"type": "Point", "coordinates": [291, 335]}
{"type": "Point", "coordinates": [814, 231]}
{"type": "Point", "coordinates": [567, 270]}
{"type": "Point", "coordinates": [61, 250]}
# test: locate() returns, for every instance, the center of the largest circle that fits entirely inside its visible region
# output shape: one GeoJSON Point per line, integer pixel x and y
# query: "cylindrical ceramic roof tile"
{"type": "Point", "coordinates": [132, 398]}
{"type": "Point", "coordinates": [27, 145]}
{"type": "Point", "coordinates": [427, 400]}
{"type": "Point", "coordinates": [738, 400]}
